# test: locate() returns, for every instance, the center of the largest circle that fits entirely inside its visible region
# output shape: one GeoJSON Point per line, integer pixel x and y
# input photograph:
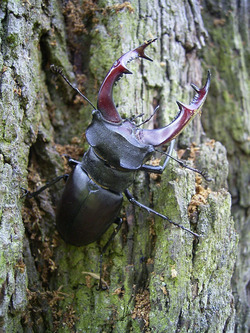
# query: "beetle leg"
{"type": "Point", "coordinates": [119, 222]}
{"type": "Point", "coordinates": [73, 162]}
{"type": "Point", "coordinates": [150, 210]}
{"type": "Point", "coordinates": [203, 173]}
{"type": "Point", "coordinates": [29, 194]}
{"type": "Point", "coordinates": [159, 169]}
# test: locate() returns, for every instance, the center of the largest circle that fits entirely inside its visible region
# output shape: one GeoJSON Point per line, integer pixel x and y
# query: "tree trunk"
{"type": "Point", "coordinates": [160, 278]}
{"type": "Point", "coordinates": [228, 109]}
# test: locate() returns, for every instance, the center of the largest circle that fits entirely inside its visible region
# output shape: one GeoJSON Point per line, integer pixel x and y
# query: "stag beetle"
{"type": "Point", "coordinates": [92, 197]}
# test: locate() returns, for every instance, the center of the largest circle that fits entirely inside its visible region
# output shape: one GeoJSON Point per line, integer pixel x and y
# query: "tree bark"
{"type": "Point", "coordinates": [228, 109]}
{"type": "Point", "coordinates": [160, 278]}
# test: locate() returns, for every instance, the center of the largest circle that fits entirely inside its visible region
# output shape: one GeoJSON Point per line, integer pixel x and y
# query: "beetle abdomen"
{"type": "Point", "coordinates": [85, 210]}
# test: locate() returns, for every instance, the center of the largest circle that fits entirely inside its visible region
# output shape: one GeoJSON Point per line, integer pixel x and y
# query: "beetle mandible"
{"type": "Point", "coordinates": [92, 197]}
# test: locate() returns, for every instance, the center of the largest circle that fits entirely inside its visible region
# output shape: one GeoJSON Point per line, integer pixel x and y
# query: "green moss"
{"type": "Point", "coordinates": [13, 39]}
{"type": "Point", "coordinates": [2, 268]}
{"type": "Point", "coordinates": [225, 56]}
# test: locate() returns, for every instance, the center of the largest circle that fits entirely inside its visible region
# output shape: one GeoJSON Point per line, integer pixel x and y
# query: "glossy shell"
{"type": "Point", "coordinates": [85, 210]}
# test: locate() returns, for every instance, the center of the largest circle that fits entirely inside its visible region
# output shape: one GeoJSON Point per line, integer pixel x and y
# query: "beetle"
{"type": "Point", "coordinates": [92, 196]}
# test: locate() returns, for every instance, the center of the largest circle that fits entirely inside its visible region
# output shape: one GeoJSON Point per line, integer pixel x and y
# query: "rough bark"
{"type": "Point", "coordinates": [160, 279]}
{"type": "Point", "coordinates": [228, 109]}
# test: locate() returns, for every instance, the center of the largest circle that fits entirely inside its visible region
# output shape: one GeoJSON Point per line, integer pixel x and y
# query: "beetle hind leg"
{"type": "Point", "coordinates": [119, 222]}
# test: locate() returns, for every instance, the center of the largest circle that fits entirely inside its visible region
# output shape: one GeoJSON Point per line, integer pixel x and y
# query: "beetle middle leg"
{"type": "Point", "coordinates": [50, 183]}
{"type": "Point", "coordinates": [29, 194]}
{"type": "Point", "coordinates": [150, 210]}
{"type": "Point", "coordinates": [119, 222]}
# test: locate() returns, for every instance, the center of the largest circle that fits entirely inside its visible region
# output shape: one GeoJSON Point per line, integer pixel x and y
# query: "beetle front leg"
{"type": "Point", "coordinates": [203, 173]}
{"type": "Point", "coordinates": [159, 169]}
{"type": "Point", "coordinates": [150, 210]}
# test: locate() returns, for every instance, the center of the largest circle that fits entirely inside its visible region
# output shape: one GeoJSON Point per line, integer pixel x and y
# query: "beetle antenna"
{"type": "Point", "coordinates": [58, 70]}
{"type": "Point", "coordinates": [145, 121]}
{"type": "Point", "coordinates": [203, 173]}
{"type": "Point", "coordinates": [133, 117]}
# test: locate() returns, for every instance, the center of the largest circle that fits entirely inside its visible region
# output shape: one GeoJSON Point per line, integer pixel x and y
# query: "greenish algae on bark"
{"type": "Point", "coordinates": [227, 120]}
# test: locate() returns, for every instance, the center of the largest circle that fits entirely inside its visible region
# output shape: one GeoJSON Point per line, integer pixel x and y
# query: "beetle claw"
{"type": "Point", "coordinates": [105, 102]}
{"type": "Point", "coordinates": [160, 136]}
{"type": "Point", "coordinates": [154, 137]}
{"type": "Point", "coordinates": [102, 288]}
{"type": "Point", "coordinates": [181, 105]}
{"type": "Point", "coordinates": [25, 193]}
{"type": "Point", "coordinates": [197, 89]}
